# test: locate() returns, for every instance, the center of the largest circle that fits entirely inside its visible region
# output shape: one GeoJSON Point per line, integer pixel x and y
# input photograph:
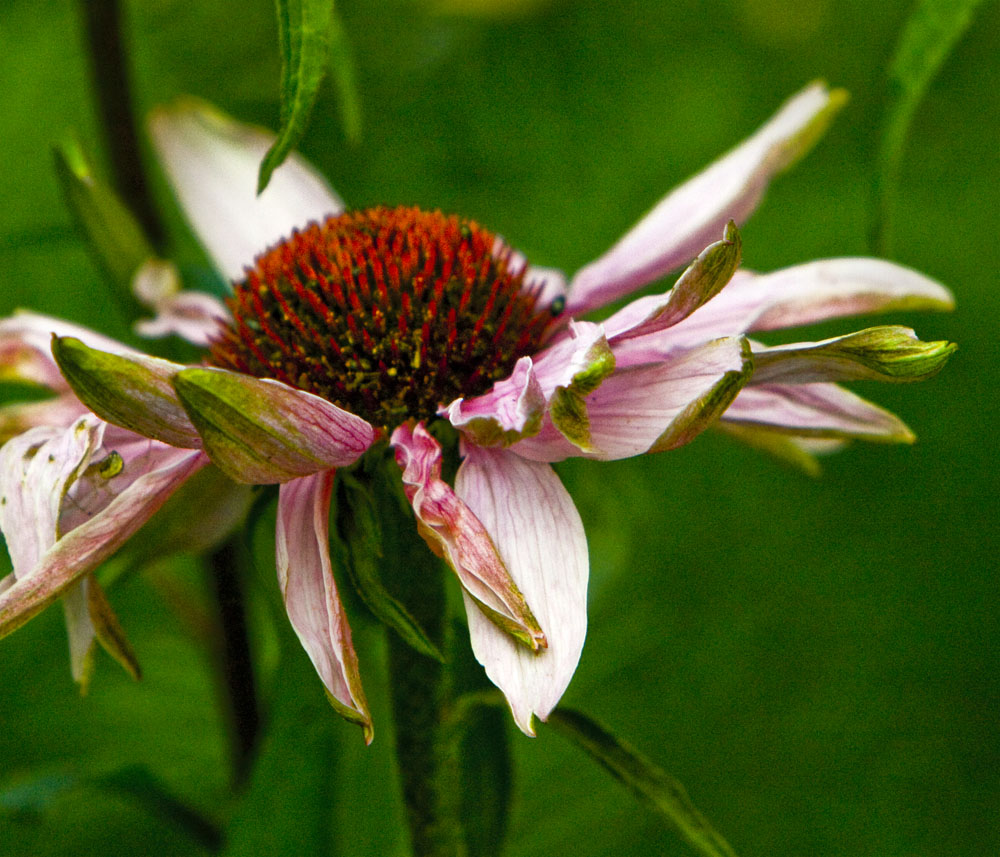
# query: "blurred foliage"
{"type": "Point", "coordinates": [813, 659]}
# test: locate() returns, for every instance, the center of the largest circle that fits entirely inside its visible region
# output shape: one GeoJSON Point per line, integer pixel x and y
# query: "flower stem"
{"type": "Point", "coordinates": [103, 26]}
{"type": "Point", "coordinates": [421, 697]}
{"type": "Point", "coordinates": [233, 656]}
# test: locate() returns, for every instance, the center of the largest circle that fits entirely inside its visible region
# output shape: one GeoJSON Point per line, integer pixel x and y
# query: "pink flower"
{"type": "Point", "coordinates": [373, 325]}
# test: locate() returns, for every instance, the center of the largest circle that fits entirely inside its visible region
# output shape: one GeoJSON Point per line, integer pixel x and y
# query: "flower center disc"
{"type": "Point", "coordinates": [387, 313]}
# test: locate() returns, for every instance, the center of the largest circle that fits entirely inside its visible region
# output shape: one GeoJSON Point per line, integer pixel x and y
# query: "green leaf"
{"type": "Point", "coordinates": [114, 235]}
{"type": "Point", "coordinates": [661, 791]}
{"type": "Point", "coordinates": [930, 34]}
{"type": "Point", "coordinates": [361, 534]}
{"type": "Point", "coordinates": [309, 35]}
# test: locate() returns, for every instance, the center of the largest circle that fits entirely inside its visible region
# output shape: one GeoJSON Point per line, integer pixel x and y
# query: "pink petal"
{"type": "Point", "coordinates": [26, 348]}
{"type": "Point", "coordinates": [194, 316]}
{"type": "Point", "coordinates": [454, 532]}
{"type": "Point", "coordinates": [61, 410]}
{"type": "Point", "coordinates": [87, 545]}
{"type": "Point", "coordinates": [816, 410]}
{"type": "Point", "coordinates": [310, 593]}
{"type": "Point", "coordinates": [812, 292]}
{"type": "Point", "coordinates": [212, 163]}
{"type": "Point", "coordinates": [538, 532]}
{"type": "Point", "coordinates": [654, 407]}
{"type": "Point", "coordinates": [692, 215]}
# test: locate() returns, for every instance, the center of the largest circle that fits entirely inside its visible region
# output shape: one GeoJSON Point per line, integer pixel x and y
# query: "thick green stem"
{"type": "Point", "coordinates": [420, 700]}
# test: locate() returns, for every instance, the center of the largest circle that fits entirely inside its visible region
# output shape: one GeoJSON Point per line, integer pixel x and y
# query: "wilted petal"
{"type": "Point", "coordinates": [877, 354]}
{"type": "Point", "coordinates": [310, 593]}
{"type": "Point", "coordinates": [812, 292]}
{"type": "Point", "coordinates": [648, 408]}
{"type": "Point", "coordinates": [454, 532]}
{"type": "Point", "coordinates": [130, 390]}
{"type": "Point", "coordinates": [26, 348]}
{"type": "Point", "coordinates": [816, 410]}
{"type": "Point", "coordinates": [538, 532]}
{"type": "Point", "coordinates": [701, 281]}
{"type": "Point", "coordinates": [688, 218]}
{"type": "Point", "coordinates": [212, 162]}
{"type": "Point", "coordinates": [512, 409]}
{"type": "Point", "coordinates": [261, 431]}
{"type": "Point", "coordinates": [86, 546]}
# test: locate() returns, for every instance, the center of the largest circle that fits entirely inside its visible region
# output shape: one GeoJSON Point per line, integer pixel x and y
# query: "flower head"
{"type": "Point", "coordinates": [375, 324]}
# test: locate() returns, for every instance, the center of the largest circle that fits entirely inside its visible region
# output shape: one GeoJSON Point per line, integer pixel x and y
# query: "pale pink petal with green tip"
{"type": "Point", "coordinates": [310, 593]}
{"type": "Point", "coordinates": [453, 532]}
{"type": "Point", "coordinates": [694, 214]}
{"type": "Point", "coordinates": [212, 163]}
{"type": "Point", "coordinates": [538, 532]}
{"type": "Point", "coordinates": [816, 410]}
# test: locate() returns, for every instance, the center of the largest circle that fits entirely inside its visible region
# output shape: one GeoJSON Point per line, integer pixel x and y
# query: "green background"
{"type": "Point", "coordinates": [814, 659]}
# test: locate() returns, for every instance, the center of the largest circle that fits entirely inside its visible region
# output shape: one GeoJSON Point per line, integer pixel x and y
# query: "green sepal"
{"type": "Point", "coordinates": [649, 782]}
{"type": "Point", "coordinates": [114, 235]}
{"type": "Point", "coordinates": [132, 391]}
{"type": "Point", "coordinates": [361, 542]}
{"type": "Point", "coordinates": [885, 353]}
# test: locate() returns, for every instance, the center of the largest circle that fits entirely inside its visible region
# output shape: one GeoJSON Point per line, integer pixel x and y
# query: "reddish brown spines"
{"type": "Point", "coordinates": [388, 313]}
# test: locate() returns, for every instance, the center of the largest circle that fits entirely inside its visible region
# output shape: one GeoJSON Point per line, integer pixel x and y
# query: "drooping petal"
{"type": "Point", "coordinates": [26, 343]}
{"type": "Point", "coordinates": [648, 408]}
{"type": "Point", "coordinates": [577, 363]}
{"type": "Point", "coordinates": [261, 431]}
{"type": "Point", "coordinates": [688, 218]}
{"type": "Point", "coordinates": [92, 541]}
{"type": "Point", "coordinates": [816, 410]}
{"type": "Point", "coordinates": [310, 593]}
{"type": "Point", "coordinates": [888, 353]}
{"type": "Point", "coordinates": [130, 390]}
{"type": "Point", "coordinates": [453, 532]}
{"type": "Point", "coordinates": [538, 532]}
{"type": "Point", "coordinates": [803, 294]}
{"type": "Point", "coordinates": [800, 452]}
{"type": "Point", "coordinates": [212, 163]}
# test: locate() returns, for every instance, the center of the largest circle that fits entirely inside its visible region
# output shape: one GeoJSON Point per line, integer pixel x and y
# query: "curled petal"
{"type": "Point", "coordinates": [61, 410]}
{"type": "Point", "coordinates": [87, 545]}
{"type": "Point", "coordinates": [648, 408]}
{"type": "Point", "coordinates": [194, 316]}
{"type": "Point", "coordinates": [538, 532]}
{"type": "Point", "coordinates": [310, 593]}
{"type": "Point", "coordinates": [704, 278]}
{"type": "Point", "coordinates": [816, 410]}
{"type": "Point", "coordinates": [212, 162]}
{"type": "Point", "coordinates": [261, 431]}
{"type": "Point", "coordinates": [688, 218]}
{"type": "Point", "coordinates": [452, 531]}
{"type": "Point", "coordinates": [877, 354]}
{"type": "Point", "coordinates": [803, 294]}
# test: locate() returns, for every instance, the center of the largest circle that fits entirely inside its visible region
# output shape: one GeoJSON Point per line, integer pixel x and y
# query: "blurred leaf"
{"type": "Point", "coordinates": [930, 34]}
{"type": "Point", "coordinates": [310, 36]}
{"type": "Point", "coordinates": [665, 794]}
{"type": "Point", "coordinates": [112, 232]}
{"type": "Point", "coordinates": [361, 535]}
{"type": "Point", "coordinates": [36, 794]}
{"type": "Point", "coordinates": [138, 784]}
{"type": "Point", "coordinates": [288, 806]}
